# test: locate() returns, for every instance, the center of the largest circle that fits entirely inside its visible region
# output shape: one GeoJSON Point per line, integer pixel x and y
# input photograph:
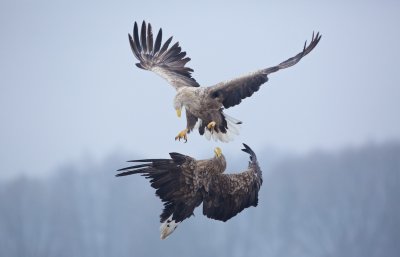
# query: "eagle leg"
{"type": "Point", "coordinates": [211, 125]}
{"type": "Point", "coordinates": [182, 135]}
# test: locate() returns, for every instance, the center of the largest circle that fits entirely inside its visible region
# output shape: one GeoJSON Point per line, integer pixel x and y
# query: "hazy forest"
{"type": "Point", "coordinates": [343, 203]}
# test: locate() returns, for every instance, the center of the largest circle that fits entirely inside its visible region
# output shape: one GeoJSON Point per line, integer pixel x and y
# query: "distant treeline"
{"type": "Point", "coordinates": [323, 204]}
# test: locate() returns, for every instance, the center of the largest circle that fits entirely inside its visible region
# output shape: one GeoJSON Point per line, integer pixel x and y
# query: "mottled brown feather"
{"type": "Point", "coordinates": [231, 93]}
{"type": "Point", "coordinates": [182, 183]}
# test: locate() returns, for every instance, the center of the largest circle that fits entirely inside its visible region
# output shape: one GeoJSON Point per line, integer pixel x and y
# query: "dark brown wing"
{"type": "Point", "coordinates": [229, 194]}
{"type": "Point", "coordinates": [174, 182]}
{"type": "Point", "coordinates": [231, 93]}
{"type": "Point", "coordinates": [169, 63]}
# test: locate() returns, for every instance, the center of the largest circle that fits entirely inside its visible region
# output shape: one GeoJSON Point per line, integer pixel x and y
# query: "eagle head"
{"type": "Point", "coordinates": [218, 152]}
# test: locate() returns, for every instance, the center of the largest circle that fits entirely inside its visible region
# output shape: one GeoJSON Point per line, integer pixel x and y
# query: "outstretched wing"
{"type": "Point", "coordinates": [174, 182]}
{"type": "Point", "coordinates": [231, 93]}
{"type": "Point", "coordinates": [229, 194]}
{"type": "Point", "coordinates": [169, 63]}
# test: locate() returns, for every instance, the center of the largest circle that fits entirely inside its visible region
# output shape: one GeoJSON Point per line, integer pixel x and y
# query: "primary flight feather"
{"type": "Point", "coordinates": [204, 106]}
{"type": "Point", "coordinates": [183, 183]}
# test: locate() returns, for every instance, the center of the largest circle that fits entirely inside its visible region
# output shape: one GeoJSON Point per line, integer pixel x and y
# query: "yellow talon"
{"type": "Point", "coordinates": [182, 134]}
{"type": "Point", "coordinates": [211, 125]}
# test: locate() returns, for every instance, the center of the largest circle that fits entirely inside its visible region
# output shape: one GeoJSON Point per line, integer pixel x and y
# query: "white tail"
{"type": "Point", "coordinates": [168, 227]}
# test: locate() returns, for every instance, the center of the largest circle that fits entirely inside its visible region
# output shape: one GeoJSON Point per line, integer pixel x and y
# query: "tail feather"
{"type": "Point", "coordinates": [167, 227]}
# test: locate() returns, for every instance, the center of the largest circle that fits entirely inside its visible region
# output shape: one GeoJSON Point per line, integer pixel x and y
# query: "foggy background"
{"type": "Point", "coordinates": [74, 107]}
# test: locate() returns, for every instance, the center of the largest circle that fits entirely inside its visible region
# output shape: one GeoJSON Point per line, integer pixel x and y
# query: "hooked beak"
{"type": "Point", "coordinates": [178, 112]}
{"type": "Point", "coordinates": [218, 152]}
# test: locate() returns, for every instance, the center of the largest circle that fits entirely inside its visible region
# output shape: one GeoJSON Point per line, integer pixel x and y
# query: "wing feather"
{"type": "Point", "coordinates": [165, 46]}
{"type": "Point", "coordinates": [231, 93]}
{"type": "Point", "coordinates": [174, 50]}
{"type": "Point", "coordinates": [143, 37]}
{"type": "Point", "coordinates": [229, 194]}
{"type": "Point", "coordinates": [173, 180]}
{"type": "Point", "coordinates": [150, 38]}
{"type": "Point", "coordinates": [169, 63]}
{"type": "Point", "coordinates": [134, 49]}
{"type": "Point", "coordinates": [136, 37]}
{"type": "Point", "coordinates": [157, 45]}
{"type": "Point", "coordinates": [182, 183]}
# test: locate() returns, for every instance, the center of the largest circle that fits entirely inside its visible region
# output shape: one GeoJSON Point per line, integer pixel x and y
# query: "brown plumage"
{"type": "Point", "coordinates": [204, 105]}
{"type": "Point", "coordinates": [183, 183]}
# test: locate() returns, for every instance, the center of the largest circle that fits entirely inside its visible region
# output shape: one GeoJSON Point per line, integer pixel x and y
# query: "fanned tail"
{"type": "Point", "coordinates": [167, 227]}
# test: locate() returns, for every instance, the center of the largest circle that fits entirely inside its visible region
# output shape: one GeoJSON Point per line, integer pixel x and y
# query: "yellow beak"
{"type": "Point", "coordinates": [218, 152]}
{"type": "Point", "coordinates": [178, 112]}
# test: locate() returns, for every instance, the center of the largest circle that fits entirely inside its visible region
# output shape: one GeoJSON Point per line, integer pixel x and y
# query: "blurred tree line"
{"type": "Point", "coordinates": [323, 204]}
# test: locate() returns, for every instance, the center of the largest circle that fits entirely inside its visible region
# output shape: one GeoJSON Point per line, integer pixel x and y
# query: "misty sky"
{"type": "Point", "coordinates": [69, 89]}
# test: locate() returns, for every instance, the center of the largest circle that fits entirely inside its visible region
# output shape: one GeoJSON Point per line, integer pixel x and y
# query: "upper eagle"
{"type": "Point", "coordinates": [204, 105]}
{"type": "Point", "coordinates": [183, 183]}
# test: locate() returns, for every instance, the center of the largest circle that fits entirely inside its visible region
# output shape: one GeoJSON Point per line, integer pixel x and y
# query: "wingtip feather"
{"type": "Point", "coordinates": [248, 150]}
{"type": "Point", "coordinates": [151, 52]}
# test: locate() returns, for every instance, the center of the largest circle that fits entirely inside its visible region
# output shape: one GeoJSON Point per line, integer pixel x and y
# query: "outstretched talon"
{"type": "Point", "coordinates": [211, 125]}
{"type": "Point", "coordinates": [182, 135]}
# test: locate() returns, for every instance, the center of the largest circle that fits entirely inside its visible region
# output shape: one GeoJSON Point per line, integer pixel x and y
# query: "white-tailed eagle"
{"type": "Point", "coordinates": [183, 183]}
{"type": "Point", "coordinates": [204, 105]}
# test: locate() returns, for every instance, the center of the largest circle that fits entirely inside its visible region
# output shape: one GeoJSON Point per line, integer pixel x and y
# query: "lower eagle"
{"type": "Point", "coordinates": [183, 183]}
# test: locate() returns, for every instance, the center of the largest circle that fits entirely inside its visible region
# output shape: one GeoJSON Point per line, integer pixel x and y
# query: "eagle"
{"type": "Point", "coordinates": [204, 106]}
{"type": "Point", "coordinates": [183, 183]}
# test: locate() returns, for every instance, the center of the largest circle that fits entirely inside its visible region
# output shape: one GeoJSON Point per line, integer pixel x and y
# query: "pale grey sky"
{"type": "Point", "coordinates": [69, 88]}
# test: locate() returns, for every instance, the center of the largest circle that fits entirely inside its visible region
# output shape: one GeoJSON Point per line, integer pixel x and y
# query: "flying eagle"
{"type": "Point", "coordinates": [183, 183]}
{"type": "Point", "coordinates": [204, 105]}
